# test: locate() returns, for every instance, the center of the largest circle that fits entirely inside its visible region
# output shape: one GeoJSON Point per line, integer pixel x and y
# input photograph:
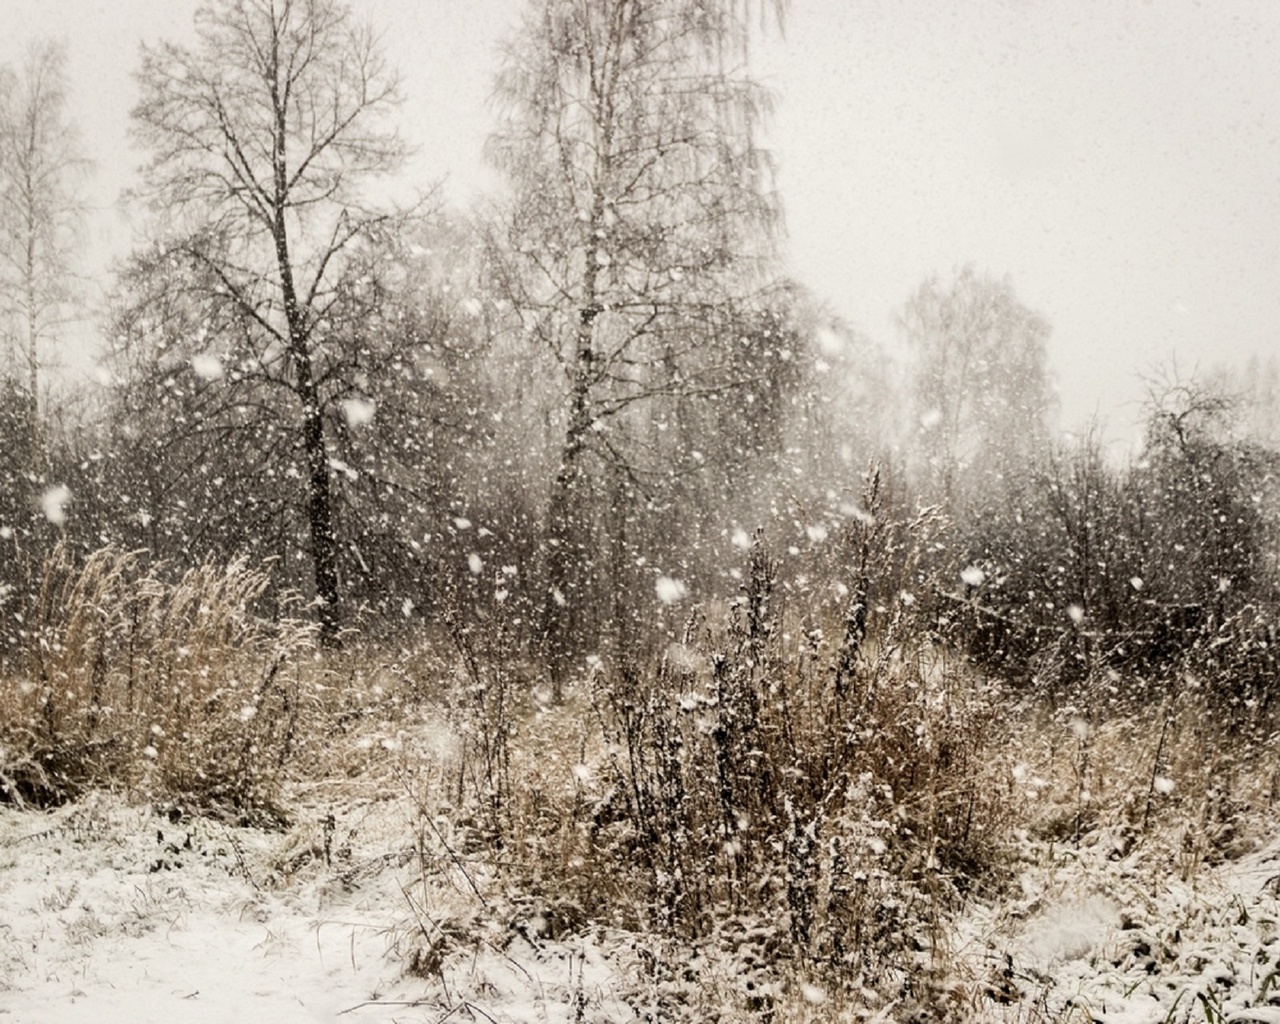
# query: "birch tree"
{"type": "Point", "coordinates": [263, 138]}
{"type": "Point", "coordinates": [41, 212]}
{"type": "Point", "coordinates": [981, 390]}
{"type": "Point", "coordinates": [636, 247]}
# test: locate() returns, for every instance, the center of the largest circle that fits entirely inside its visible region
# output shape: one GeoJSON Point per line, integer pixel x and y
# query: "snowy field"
{"type": "Point", "coordinates": [115, 912]}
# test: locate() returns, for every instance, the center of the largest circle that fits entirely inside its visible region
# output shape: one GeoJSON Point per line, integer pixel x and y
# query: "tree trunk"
{"type": "Point", "coordinates": [569, 558]}
{"type": "Point", "coordinates": [33, 365]}
{"type": "Point", "coordinates": [319, 499]}
{"type": "Point", "coordinates": [319, 508]}
{"type": "Point", "coordinates": [30, 273]}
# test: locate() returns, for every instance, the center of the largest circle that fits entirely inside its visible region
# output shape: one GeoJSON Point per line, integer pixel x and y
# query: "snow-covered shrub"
{"type": "Point", "coordinates": [736, 784]}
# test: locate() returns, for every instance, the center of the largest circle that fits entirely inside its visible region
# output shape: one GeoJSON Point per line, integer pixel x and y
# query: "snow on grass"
{"type": "Point", "coordinates": [1124, 938]}
{"type": "Point", "coordinates": [373, 906]}
{"type": "Point", "coordinates": [117, 913]}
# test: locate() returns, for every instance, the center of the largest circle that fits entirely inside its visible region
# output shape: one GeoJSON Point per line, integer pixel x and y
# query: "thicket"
{"type": "Point", "coordinates": [817, 774]}
{"type": "Point", "coordinates": [1152, 571]}
{"type": "Point", "coordinates": [781, 766]}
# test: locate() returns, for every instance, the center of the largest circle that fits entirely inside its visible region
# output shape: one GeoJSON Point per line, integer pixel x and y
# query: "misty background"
{"type": "Point", "coordinates": [1118, 160]}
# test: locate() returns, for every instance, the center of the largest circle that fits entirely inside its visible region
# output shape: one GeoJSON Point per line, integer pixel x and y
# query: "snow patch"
{"type": "Point", "coordinates": [1070, 931]}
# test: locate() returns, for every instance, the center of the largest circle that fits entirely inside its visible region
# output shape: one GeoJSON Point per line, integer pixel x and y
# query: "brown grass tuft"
{"type": "Point", "coordinates": [174, 688]}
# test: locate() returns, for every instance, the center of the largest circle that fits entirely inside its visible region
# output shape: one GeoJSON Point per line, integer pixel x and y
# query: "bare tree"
{"type": "Point", "coordinates": [204, 458]}
{"type": "Point", "coordinates": [41, 213]}
{"type": "Point", "coordinates": [981, 391]}
{"type": "Point", "coordinates": [263, 137]}
{"type": "Point", "coordinates": [639, 227]}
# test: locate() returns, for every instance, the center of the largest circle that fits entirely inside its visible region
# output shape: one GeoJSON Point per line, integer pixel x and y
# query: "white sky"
{"type": "Point", "coordinates": [1119, 159]}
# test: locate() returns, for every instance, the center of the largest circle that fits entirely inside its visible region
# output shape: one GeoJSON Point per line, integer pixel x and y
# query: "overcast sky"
{"type": "Point", "coordinates": [1119, 160]}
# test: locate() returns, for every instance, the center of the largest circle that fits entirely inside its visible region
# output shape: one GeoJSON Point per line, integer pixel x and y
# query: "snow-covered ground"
{"type": "Point", "coordinates": [111, 911]}
{"type": "Point", "coordinates": [117, 913]}
{"type": "Point", "coordinates": [1101, 933]}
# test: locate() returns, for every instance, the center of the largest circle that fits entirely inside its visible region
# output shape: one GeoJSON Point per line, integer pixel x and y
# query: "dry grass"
{"type": "Point", "coordinates": [747, 794]}
{"type": "Point", "coordinates": [804, 823]}
{"type": "Point", "coordinates": [175, 689]}
{"type": "Point", "coordinates": [1177, 762]}
{"type": "Point", "coordinates": [803, 849]}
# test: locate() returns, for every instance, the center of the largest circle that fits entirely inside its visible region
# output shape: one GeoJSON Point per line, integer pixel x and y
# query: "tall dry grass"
{"type": "Point", "coordinates": [173, 688]}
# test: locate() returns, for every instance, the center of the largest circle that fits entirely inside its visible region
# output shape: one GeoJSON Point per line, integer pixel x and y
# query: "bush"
{"type": "Point", "coordinates": [1148, 570]}
{"type": "Point", "coordinates": [826, 806]}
